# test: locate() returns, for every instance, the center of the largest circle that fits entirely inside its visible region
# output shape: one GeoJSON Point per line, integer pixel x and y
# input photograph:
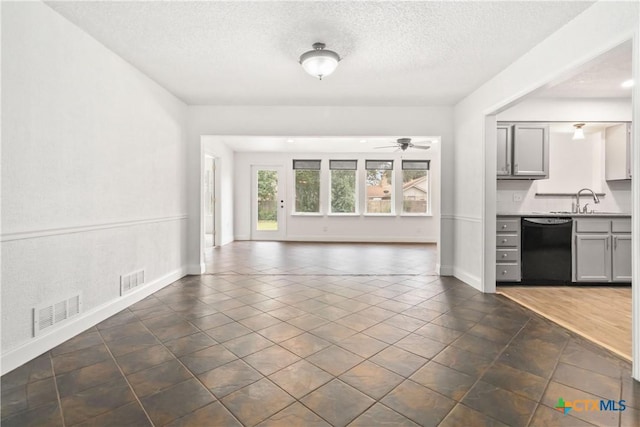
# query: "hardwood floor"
{"type": "Point", "coordinates": [599, 313]}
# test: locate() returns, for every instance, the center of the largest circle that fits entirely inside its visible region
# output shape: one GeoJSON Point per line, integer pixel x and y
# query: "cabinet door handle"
{"type": "Point", "coordinates": [504, 272]}
{"type": "Point", "coordinates": [504, 240]}
{"type": "Point", "coordinates": [504, 255]}
{"type": "Point", "coordinates": [607, 243]}
{"type": "Point", "coordinates": [508, 168]}
{"type": "Point", "coordinates": [504, 225]}
{"type": "Point", "coordinates": [515, 167]}
{"type": "Point", "coordinates": [615, 243]}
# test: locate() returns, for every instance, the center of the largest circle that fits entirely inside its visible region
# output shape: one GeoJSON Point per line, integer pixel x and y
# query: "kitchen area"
{"type": "Point", "coordinates": [563, 225]}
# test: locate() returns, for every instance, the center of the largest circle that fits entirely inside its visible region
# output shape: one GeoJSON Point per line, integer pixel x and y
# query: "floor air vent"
{"type": "Point", "coordinates": [130, 281]}
{"type": "Point", "coordinates": [47, 315]}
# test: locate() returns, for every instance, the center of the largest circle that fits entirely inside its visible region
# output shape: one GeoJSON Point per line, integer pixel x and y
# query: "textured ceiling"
{"type": "Point", "coordinates": [600, 78]}
{"type": "Point", "coordinates": [394, 53]}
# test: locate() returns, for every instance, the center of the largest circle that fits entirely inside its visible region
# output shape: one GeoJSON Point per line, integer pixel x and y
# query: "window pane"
{"type": "Point", "coordinates": [307, 164]}
{"type": "Point", "coordinates": [267, 200]}
{"type": "Point", "coordinates": [415, 164]}
{"type": "Point", "coordinates": [379, 190]}
{"type": "Point", "coordinates": [343, 191]}
{"type": "Point", "coordinates": [415, 191]}
{"type": "Point", "coordinates": [378, 164]}
{"type": "Point", "coordinates": [343, 164]}
{"type": "Point", "coordinates": [307, 190]}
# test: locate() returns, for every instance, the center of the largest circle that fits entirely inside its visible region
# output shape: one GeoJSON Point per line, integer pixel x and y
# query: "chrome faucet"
{"type": "Point", "coordinates": [595, 200]}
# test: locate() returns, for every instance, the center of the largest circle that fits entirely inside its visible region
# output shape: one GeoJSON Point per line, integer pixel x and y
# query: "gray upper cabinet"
{"type": "Point", "coordinates": [523, 150]}
{"type": "Point", "coordinates": [504, 150]}
{"type": "Point", "coordinates": [618, 152]}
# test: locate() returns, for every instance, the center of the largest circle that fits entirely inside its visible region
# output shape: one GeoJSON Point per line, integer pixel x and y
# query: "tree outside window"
{"type": "Point", "coordinates": [343, 186]}
{"type": "Point", "coordinates": [307, 186]}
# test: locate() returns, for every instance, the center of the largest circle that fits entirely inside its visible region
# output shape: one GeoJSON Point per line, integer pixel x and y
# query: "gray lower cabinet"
{"type": "Point", "coordinates": [602, 250]}
{"type": "Point", "coordinates": [592, 258]}
{"type": "Point", "coordinates": [621, 269]}
{"type": "Point", "coordinates": [508, 249]}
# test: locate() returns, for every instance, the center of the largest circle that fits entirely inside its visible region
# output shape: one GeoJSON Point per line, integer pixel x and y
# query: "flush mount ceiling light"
{"type": "Point", "coordinates": [319, 62]}
{"type": "Point", "coordinates": [578, 133]}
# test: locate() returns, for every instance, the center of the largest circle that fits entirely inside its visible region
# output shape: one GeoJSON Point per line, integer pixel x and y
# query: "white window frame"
{"type": "Point", "coordinates": [393, 189]}
{"type": "Point", "coordinates": [357, 189]}
{"type": "Point", "coordinates": [320, 211]}
{"type": "Point", "coordinates": [401, 182]}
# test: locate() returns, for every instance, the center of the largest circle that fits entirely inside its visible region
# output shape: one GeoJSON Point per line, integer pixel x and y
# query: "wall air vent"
{"type": "Point", "coordinates": [49, 314]}
{"type": "Point", "coordinates": [130, 281]}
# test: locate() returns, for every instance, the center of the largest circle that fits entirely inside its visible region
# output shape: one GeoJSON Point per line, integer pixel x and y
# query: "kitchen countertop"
{"type": "Point", "coordinates": [566, 214]}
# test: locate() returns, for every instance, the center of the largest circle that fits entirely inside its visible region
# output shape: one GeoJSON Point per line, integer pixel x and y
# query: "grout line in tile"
{"type": "Point", "coordinates": [55, 383]}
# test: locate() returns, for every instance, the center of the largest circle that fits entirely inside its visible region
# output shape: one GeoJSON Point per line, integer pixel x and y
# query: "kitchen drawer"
{"type": "Point", "coordinates": [507, 240]}
{"type": "Point", "coordinates": [507, 255]}
{"type": "Point", "coordinates": [593, 225]}
{"type": "Point", "coordinates": [621, 225]}
{"type": "Point", "coordinates": [509, 225]}
{"type": "Point", "coordinates": [507, 273]}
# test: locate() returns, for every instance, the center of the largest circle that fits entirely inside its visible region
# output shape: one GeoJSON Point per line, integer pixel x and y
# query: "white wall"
{"type": "Point", "coordinates": [93, 177]}
{"type": "Point", "coordinates": [573, 165]}
{"type": "Point", "coordinates": [474, 182]}
{"type": "Point", "coordinates": [315, 121]}
{"type": "Point", "coordinates": [224, 183]}
{"type": "Point", "coordinates": [326, 227]}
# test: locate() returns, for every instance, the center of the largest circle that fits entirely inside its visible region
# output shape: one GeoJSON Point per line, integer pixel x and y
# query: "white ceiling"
{"type": "Point", "coordinates": [401, 53]}
{"type": "Point", "coordinates": [600, 78]}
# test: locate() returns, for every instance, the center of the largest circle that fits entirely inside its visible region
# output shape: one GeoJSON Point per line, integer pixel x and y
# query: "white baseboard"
{"type": "Point", "coordinates": [469, 279]}
{"type": "Point", "coordinates": [37, 346]}
{"type": "Point", "coordinates": [444, 270]}
{"type": "Point", "coordinates": [196, 269]}
{"type": "Point", "coordinates": [361, 239]}
{"type": "Point", "coordinates": [242, 237]}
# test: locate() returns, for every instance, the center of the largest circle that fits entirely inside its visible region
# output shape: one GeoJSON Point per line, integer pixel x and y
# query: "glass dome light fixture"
{"type": "Point", "coordinates": [579, 132]}
{"type": "Point", "coordinates": [319, 62]}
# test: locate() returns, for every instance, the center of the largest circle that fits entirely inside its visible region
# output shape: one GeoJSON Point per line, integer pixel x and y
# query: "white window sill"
{"type": "Point", "coordinates": [344, 214]}
{"type": "Point", "coordinates": [417, 214]}
{"type": "Point", "coordinates": [383, 215]}
{"type": "Point", "coordinates": [306, 214]}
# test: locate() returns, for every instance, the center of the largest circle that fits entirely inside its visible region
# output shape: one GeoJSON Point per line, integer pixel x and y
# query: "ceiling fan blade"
{"type": "Point", "coordinates": [421, 147]}
{"type": "Point", "coordinates": [386, 146]}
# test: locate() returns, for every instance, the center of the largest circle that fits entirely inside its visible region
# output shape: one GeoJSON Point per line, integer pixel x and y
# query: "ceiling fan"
{"type": "Point", "coordinates": [404, 143]}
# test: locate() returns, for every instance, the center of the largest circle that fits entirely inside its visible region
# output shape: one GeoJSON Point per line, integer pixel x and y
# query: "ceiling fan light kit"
{"type": "Point", "coordinates": [404, 143]}
{"type": "Point", "coordinates": [319, 62]}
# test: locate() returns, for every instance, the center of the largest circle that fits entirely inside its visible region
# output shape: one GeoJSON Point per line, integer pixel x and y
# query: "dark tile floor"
{"type": "Point", "coordinates": [290, 334]}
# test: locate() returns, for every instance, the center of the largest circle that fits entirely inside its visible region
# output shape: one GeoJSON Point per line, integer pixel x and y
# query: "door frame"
{"type": "Point", "coordinates": [281, 233]}
{"type": "Point", "coordinates": [214, 192]}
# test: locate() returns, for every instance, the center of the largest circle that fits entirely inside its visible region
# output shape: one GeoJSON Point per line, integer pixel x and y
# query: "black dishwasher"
{"type": "Point", "coordinates": [546, 250]}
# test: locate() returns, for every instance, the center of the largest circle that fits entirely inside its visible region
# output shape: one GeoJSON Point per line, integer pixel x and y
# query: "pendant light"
{"type": "Point", "coordinates": [319, 62]}
{"type": "Point", "coordinates": [578, 133]}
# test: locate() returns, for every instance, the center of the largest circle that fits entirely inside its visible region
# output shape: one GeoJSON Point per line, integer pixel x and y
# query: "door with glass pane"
{"type": "Point", "coordinates": [268, 204]}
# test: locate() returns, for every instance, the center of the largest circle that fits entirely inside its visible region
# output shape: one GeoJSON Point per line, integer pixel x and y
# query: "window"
{"type": "Point", "coordinates": [343, 185]}
{"type": "Point", "coordinates": [415, 186]}
{"type": "Point", "coordinates": [379, 186]}
{"type": "Point", "coordinates": [307, 179]}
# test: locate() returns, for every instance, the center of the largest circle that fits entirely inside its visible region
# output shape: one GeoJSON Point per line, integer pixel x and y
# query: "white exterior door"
{"type": "Point", "coordinates": [268, 203]}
